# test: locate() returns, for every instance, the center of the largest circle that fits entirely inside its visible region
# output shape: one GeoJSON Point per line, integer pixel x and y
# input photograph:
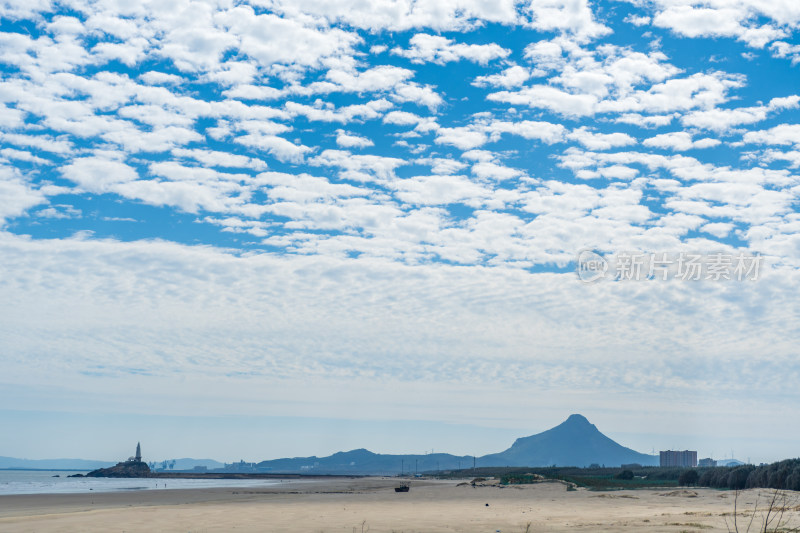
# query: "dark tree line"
{"type": "Point", "coordinates": [782, 475]}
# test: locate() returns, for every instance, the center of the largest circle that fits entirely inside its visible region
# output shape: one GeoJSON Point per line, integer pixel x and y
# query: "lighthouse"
{"type": "Point", "coordinates": [138, 456]}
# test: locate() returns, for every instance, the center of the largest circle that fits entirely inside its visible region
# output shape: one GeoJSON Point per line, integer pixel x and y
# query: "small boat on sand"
{"type": "Point", "coordinates": [404, 487]}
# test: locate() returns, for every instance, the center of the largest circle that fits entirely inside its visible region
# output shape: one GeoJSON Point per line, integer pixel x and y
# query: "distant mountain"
{"type": "Point", "coordinates": [52, 464]}
{"type": "Point", "coordinates": [363, 461]}
{"type": "Point", "coordinates": [574, 442]}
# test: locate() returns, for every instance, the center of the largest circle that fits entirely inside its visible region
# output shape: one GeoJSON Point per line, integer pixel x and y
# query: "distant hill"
{"type": "Point", "coordinates": [52, 464]}
{"type": "Point", "coordinates": [363, 461]}
{"type": "Point", "coordinates": [574, 442]}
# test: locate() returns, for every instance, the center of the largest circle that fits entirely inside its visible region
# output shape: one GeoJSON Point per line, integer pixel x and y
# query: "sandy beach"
{"type": "Point", "coordinates": [370, 504]}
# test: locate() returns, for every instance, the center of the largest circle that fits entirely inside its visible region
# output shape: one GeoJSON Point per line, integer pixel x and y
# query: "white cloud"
{"type": "Point", "coordinates": [297, 86]}
{"type": "Point", "coordinates": [782, 134]}
{"type": "Point", "coordinates": [481, 132]}
{"type": "Point", "coordinates": [22, 155]}
{"type": "Point", "coordinates": [784, 49]}
{"type": "Point", "coordinates": [40, 142]}
{"type": "Point", "coordinates": [511, 77]}
{"type": "Point", "coordinates": [359, 167]}
{"type": "Point", "coordinates": [16, 195]}
{"type": "Point", "coordinates": [98, 174]}
{"type": "Point", "coordinates": [600, 141]}
{"type": "Point", "coordinates": [132, 139]}
{"type": "Point", "coordinates": [420, 94]}
{"type": "Point", "coordinates": [643, 121]}
{"type": "Point", "coordinates": [551, 98]}
{"type": "Point", "coordinates": [574, 17]}
{"type": "Point", "coordinates": [637, 20]}
{"type": "Point", "coordinates": [546, 132]}
{"type": "Point", "coordinates": [59, 211]}
{"type": "Point", "coordinates": [220, 159]}
{"type": "Point", "coordinates": [441, 165]}
{"type": "Point", "coordinates": [393, 15]}
{"type": "Point", "coordinates": [277, 147]}
{"type": "Point", "coordinates": [153, 77]}
{"type": "Point", "coordinates": [380, 78]}
{"type": "Point", "coordinates": [347, 140]}
{"type": "Point", "coordinates": [370, 110]}
{"type": "Point", "coordinates": [791, 156]}
{"type": "Point", "coordinates": [253, 92]}
{"type": "Point", "coordinates": [402, 118]}
{"type": "Point", "coordinates": [303, 188]}
{"type": "Point", "coordinates": [490, 170]}
{"type": "Point", "coordinates": [271, 39]}
{"type": "Point", "coordinates": [440, 50]}
{"type": "Point", "coordinates": [186, 196]}
{"type": "Point", "coordinates": [718, 229]}
{"type": "Point", "coordinates": [10, 118]}
{"type": "Point", "coordinates": [724, 119]}
{"type": "Point", "coordinates": [614, 79]}
{"type": "Point", "coordinates": [463, 138]}
{"type": "Point", "coordinates": [717, 21]}
{"type": "Point", "coordinates": [679, 141]}
{"type": "Point", "coordinates": [440, 190]}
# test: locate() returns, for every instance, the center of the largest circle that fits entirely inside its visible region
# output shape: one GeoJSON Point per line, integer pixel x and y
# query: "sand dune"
{"type": "Point", "coordinates": [370, 504]}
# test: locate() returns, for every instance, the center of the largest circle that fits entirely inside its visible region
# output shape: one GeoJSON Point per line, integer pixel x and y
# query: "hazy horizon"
{"type": "Point", "coordinates": [167, 438]}
{"type": "Point", "coordinates": [250, 230]}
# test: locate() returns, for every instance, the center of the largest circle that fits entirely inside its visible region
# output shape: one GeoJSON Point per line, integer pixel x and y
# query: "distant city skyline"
{"type": "Point", "coordinates": [245, 232]}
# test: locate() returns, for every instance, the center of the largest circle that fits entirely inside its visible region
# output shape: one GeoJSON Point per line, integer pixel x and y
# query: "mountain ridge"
{"type": "Point", "coordinates": [574, 442]}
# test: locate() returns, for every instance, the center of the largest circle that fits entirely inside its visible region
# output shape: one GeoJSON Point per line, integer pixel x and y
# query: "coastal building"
{"type": "Point", "coordinates": [133, 467]}
{"type": "Point", "coordinates": [138, 457]}
{"type": "Point", "coordinates": [685, 458]}
{"type": "Point", "coordinates": [706, 462]}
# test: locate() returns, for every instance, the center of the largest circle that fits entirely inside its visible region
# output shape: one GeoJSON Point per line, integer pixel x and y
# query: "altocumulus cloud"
{"type": "Point", "coordinates": [318, 196]}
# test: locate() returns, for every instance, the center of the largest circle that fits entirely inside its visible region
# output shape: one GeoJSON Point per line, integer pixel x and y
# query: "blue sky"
{"type": "Point", "coordinates": [366, 215]}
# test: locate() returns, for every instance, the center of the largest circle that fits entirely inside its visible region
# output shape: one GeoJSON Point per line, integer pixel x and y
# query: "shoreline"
{"type": "Point", "coordinates": [326, 505]}
{"type": "Point", "coordinates": [228, 475]}
{"type": "Point", "coordinates": [18, 505]}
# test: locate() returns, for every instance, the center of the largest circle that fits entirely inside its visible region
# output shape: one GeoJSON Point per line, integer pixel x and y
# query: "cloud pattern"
{"type": "Point", "coordinates": [344, 156]}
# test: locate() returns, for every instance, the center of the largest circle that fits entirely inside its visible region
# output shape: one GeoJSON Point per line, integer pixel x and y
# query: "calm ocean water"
{"type": "Point", "coordinates": [44, 482]}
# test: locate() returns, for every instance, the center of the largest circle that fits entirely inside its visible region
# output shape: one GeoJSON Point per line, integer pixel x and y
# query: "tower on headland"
{"type": "Point", "coordinates": [133, 467]}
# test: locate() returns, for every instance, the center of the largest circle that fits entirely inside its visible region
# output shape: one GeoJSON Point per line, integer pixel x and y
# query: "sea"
{"type": "Point", "coordinates": [58, 482]}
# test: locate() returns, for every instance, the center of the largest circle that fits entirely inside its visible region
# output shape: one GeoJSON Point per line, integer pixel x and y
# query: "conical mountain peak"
{"type": "Point", "coordinates": [577, 419]}
{"type": "Point", "coordinates": [574, 442]}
